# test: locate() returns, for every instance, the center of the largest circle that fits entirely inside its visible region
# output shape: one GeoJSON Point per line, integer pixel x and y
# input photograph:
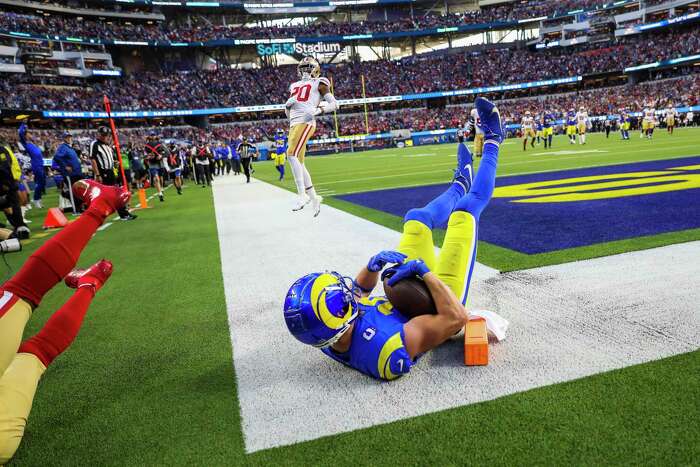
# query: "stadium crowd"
{"type": "Point", "coordinates": [225, 87]}
{"type": "Point", "coordinates": [215, 28]}
{"type": "Point", "coordinates": [605, 101]}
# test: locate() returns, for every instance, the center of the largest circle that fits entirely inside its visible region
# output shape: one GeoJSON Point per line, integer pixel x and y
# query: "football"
{"type": "Point", "coordinates": [411, 297]}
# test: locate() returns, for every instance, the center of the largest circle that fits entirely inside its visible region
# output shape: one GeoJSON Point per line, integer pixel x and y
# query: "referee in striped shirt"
{"type": "Point", "coordinates": [104, 164]}
{"type": "Point", "coordinates": [246, 151]}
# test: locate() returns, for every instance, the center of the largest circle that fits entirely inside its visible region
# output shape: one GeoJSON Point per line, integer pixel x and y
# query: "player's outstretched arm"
{"type": "Point", "coordinates": [426, 332]}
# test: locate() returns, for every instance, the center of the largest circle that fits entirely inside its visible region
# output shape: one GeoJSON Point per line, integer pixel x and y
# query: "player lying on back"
{"type": "Point", "coordinates": [22, 363]}
{"type": "Point", "coordinates": [335, 313]}
{"type": "Point", "coordinates": [310, 96]}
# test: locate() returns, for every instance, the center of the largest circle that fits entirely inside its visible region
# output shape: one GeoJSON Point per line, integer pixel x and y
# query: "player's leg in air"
{"type": "Point", "coordinates": [299, 135]}
{"type": "Point", "coordinates": [449, 284]}
{"type": "Point", "coordinates": [23, 363]}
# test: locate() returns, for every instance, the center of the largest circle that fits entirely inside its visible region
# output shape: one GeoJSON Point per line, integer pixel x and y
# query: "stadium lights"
{"type": "Point", "coordinates": [531, 20]}
{"type": "Point", "coordinates": [353, 2]}
{"type": "Point", "coordinates": [643, 67]}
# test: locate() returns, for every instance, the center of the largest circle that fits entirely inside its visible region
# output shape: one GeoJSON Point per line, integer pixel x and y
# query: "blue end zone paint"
{"type": "Point", "coordinates": [543, 227]}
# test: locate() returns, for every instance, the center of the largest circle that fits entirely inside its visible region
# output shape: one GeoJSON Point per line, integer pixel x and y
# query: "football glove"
{"type": "Point", "coordinates": [412, 268]}
{"type": "Point", "coordinates": [377, 262]}
{"type": "Point", "coordinates": [290, 102]}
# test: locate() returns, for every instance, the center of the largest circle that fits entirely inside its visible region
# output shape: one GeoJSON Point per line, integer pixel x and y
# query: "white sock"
{"type": "Point", "coordinates": [308, 183]}
{"type": "Point", "coordinates": [298, 172]}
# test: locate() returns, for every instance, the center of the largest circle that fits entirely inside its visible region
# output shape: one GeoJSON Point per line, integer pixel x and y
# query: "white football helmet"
{"type": "Point", "coordinates": [309, 68]}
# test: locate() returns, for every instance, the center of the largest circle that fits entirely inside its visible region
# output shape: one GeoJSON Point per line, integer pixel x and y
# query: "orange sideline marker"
{"type": "Point", "coordinates": [55, 219]}
{"type": "Point", "coordinates": [476, 343]}
{"type": "Point", "coordinates": [142, 199]}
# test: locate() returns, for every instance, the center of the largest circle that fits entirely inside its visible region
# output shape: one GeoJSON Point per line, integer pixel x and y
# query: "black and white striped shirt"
{"type": "Point", "coordinates": [102, 154]}
{"type": "Point", "coordinates": [245, 150]}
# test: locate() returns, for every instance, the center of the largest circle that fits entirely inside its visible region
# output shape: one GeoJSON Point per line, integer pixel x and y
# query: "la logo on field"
{"type": "Point", "coordinates": [607, 186]}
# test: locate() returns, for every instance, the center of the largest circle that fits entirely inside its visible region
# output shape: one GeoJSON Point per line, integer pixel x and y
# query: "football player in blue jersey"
{"type": "Point", "coordinates": [280, 156]}
{"type": "Point", "coordinates": [571, 129]}
{"type": "Point", "coordinates": [548, 123]}
{"type": "Point", "coordinates": [335, 313]}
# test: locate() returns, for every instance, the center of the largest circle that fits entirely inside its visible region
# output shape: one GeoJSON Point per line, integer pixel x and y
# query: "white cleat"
{"type": "Point", "coordinates": [300, 204]}
{"type": "Point", "coordinates": [317, 205]}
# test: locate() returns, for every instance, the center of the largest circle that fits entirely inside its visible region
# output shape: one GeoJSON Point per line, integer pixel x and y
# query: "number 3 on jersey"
{"type": "Point", "coordinates": [302, 93]}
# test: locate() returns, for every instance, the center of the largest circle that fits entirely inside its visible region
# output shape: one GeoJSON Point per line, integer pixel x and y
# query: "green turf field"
{"type": "Point", "coordinates": [150, 379]}
{"type": "Point", "coordinates": [427, 165]}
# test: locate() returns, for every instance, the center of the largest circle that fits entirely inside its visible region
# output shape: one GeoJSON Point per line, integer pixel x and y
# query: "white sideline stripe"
{"type": "Point", "coordinates": [104, 226]}
{"type": "Point", "coordinates": [567, 321]}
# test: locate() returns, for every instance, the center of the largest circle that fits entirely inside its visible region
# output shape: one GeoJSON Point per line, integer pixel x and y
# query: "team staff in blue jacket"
{"type": "Point", "coordinates": [68, 162]}
{"type": "Point", "coordinates": [37, 162]}
{"type": "Point", "coordinates": [67, 159]}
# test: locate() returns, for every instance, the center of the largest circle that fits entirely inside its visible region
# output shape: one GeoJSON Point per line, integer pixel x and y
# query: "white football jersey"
{"type": "Point", "coordinates": [308, 99]}
{"type": "Point", "coordinates": [528, 123]}
{"type": "Point", "coordinates": [582, 117]}
{"type": "Point", "coordinates": [477, 122]}
{"type": "Point", "coordinates": [649, 115]}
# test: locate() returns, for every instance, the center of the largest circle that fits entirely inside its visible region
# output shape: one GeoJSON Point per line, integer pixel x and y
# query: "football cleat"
{"type": "Point", "coordinates": [301, 203]}
{"type": "Point", "coordinates": [316, 203]}
{"type": "Point", "coordinates": [464, 171]}
{"type": "Point", "coordinates": [106, 199]}
{"type": "Point", "coordinates": [320, 307]}
{"type": "Point", "coordinates": [95, 276]}
{"type": "Point", "coordinates": [490, 120]}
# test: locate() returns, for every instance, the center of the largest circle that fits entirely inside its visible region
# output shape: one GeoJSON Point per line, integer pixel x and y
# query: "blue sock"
{"type": "Point", "coordinates": [281, 171]}
{"type": "Point", "coordinates": [437, 212]}
{"type": "Point", "coordinates": [484, 183]}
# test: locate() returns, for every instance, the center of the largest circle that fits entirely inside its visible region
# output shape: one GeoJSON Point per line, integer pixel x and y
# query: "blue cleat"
{"type": "Point", "coordinates": [490, 120]}
{"type": "Point", "coordinates": [464, 172]}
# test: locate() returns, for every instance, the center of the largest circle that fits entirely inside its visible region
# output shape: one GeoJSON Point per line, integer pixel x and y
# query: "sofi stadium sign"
{"type": "Point", "coordinates": [298, 48]}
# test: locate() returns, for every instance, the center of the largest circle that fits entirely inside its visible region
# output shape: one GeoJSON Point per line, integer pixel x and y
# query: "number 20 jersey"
{"type": "Point", "coordinates": [308, 98]}
{"type": "Point", "coordinates": [377, 346]}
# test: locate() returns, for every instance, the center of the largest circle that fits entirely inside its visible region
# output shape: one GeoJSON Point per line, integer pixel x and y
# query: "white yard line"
{"type": "Point", "coordinates": [567, 321]}
{"type": "Point", "coordinates": [104, 226]}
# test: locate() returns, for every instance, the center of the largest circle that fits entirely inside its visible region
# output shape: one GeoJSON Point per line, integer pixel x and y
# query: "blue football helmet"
{"type": "Point", "coordinates": [319, 308]}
